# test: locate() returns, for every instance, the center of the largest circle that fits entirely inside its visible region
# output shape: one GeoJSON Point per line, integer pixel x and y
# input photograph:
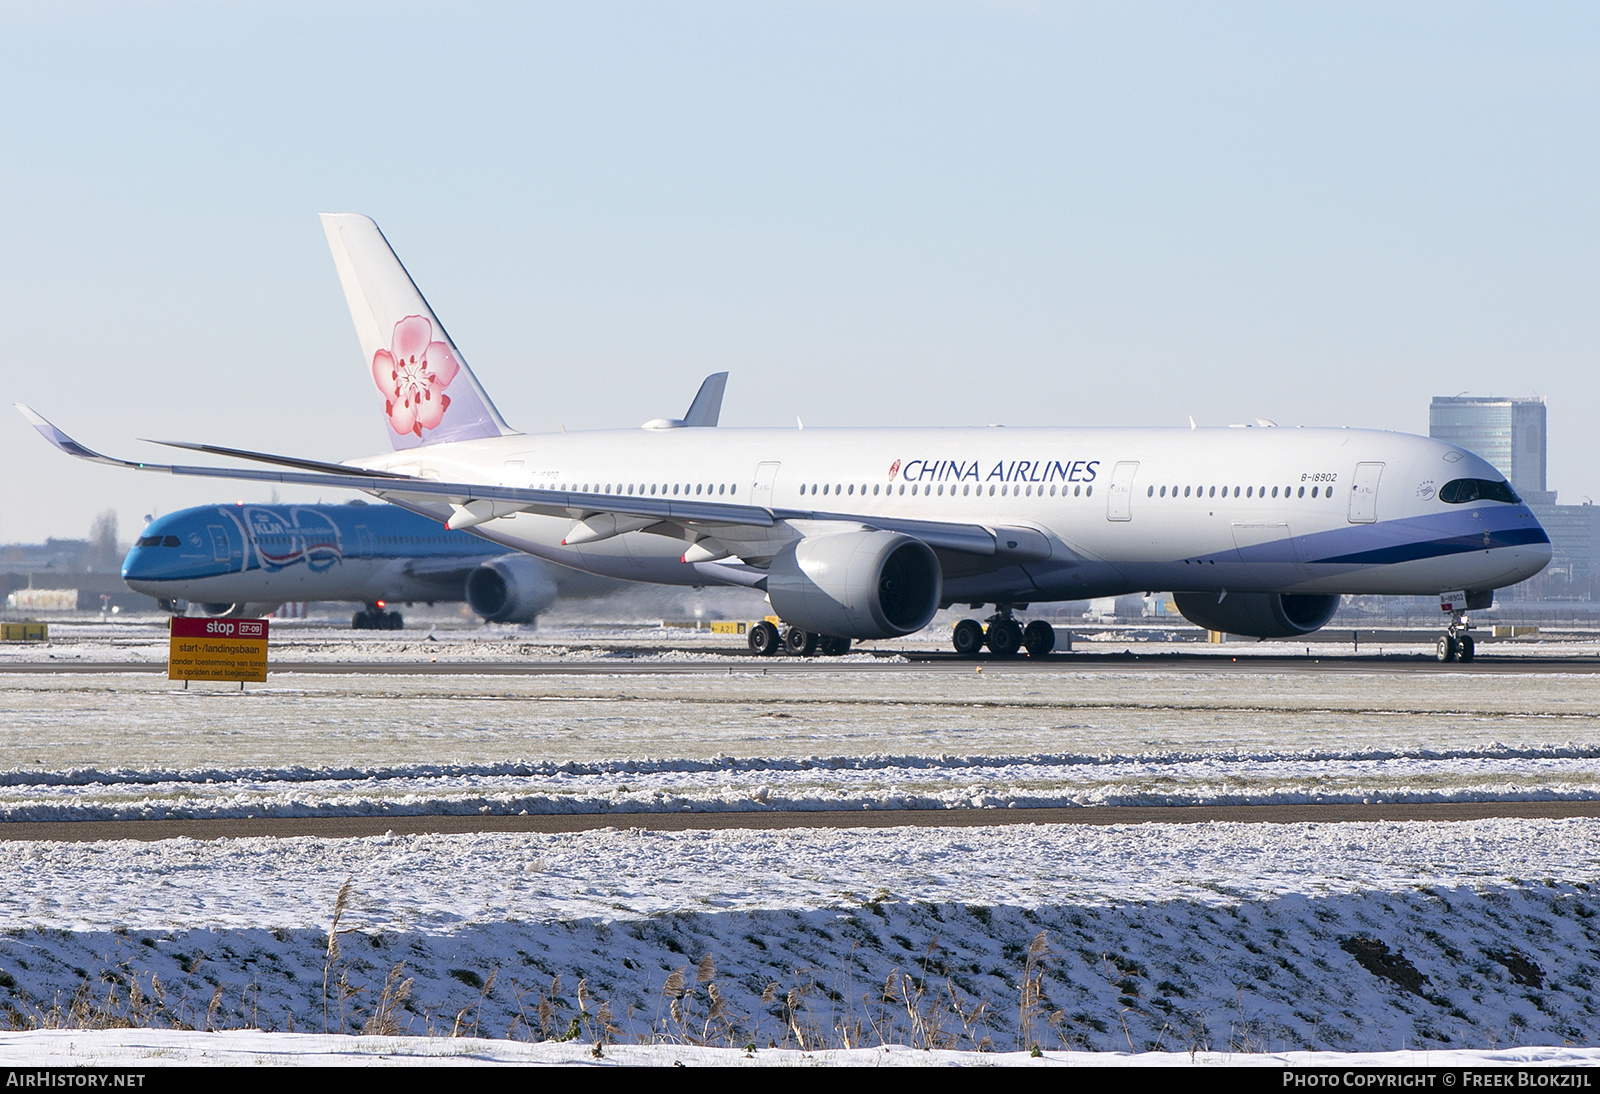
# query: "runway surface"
{"type": "Point", "coordinates": [359, 827]}
{"type": "Point", "coordinates": [645, 663]}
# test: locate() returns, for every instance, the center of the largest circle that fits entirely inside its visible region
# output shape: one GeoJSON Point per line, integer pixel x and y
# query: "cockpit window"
{"type": "Point", "coordinates": [157, 541]}
{"type": "Point", "coordinates": [1458, 491]}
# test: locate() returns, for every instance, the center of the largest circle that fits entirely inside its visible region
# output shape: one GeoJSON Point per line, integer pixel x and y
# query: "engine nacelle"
{"type": "Point", "coordinates": [1259, 615]}
{"type": "Point", "coordinates": [510, 589]}
{"type": "Point", "coordinates": [865, 584]}
{"type": "Point", "coordinates": [240, 610]}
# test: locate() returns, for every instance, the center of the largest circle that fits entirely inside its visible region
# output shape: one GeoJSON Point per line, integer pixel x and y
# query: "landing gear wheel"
{"type": "Point", "coordinates": [800, 643]}
{"type": "Point", "coordinates": [1466, 648]}
{"type": "Point", "coordinates": [1039, 637]}
{"type": "Point", "coordinates": [968, 638]}
{"type": "Point", "coordinates": [1447, 647]}
{"type": "Point", "coordinates": [393, 621]}
{"type": "Point", "coordinates": [764, 639]}
{"type": "Point", "coordinates": [1004, 637]}
{"type": "Point", "coordinates": [832, 645]}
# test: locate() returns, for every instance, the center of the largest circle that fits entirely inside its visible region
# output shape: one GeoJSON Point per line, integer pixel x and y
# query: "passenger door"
{"type": "Point", "coordinates": [766, 475]}
{"type": "Point", "coordinates": [1119, 505]}
{"type": "Point", "coordinates": [1364, 493]}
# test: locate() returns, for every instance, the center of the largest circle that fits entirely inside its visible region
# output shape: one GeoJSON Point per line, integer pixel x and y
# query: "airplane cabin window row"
{"type": "Point", "coordinates": [1238, 491]}
{"type": "Point", "coordinates": [966, 490]}
{"type": "Point", "coordinates": [697, 489]}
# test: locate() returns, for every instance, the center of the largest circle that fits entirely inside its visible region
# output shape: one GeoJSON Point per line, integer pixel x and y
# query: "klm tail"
{"type": "Point", "coordinates": [429, 394]}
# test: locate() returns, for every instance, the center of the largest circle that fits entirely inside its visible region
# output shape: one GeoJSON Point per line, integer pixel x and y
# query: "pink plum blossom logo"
{"type": "Point", "coordinates": [894, 469]}
{"type": "Point", "coordinates": [412, 375]}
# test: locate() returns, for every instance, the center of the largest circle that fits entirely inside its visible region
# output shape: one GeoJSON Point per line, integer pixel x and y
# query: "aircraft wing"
{"type": "Point", "coordinates": [475, 503]}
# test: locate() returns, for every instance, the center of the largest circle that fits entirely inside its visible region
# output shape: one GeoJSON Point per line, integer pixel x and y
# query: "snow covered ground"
{"type": "Point", "coordinates": [130, 745]}
{"type": "Point", "coordinates": [138, 1049]}
{"type": "Point", "coordinates": [1212, 938]}
{"type": "Point", "coordinates": [1360, 937]}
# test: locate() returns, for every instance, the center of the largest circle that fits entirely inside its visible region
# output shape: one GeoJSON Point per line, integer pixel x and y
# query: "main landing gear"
{"type": "Point", "coordinates": [1456, 643]}
{"type": "Point", "coordinates": [1004, 636]}
{"type": "Point", "coordinates": [374, 618]}
{"type": "Point", "coordinates": [765, 639]}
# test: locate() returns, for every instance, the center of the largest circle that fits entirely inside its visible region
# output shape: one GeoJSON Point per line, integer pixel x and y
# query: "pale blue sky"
{"type": "Point", "coordinates": [870, 213]}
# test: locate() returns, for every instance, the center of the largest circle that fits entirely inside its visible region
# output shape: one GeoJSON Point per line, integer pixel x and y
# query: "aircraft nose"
{"type": "Point", "coordinates": [136, 564]}
{"type": "Point", "coordinates": [150, 558]}
{"type": "Point", "coordinates": [1536, 553]}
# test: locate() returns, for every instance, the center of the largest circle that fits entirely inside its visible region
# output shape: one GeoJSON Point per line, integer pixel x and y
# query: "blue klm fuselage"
{"type": "Point", "coordinates": [266, 555]}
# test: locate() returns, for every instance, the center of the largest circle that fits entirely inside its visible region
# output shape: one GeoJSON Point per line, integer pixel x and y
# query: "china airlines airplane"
{"type": "Point", "coordinates": [866, 533]}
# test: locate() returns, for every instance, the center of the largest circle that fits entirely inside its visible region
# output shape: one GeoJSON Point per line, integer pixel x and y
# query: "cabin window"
{"type": "Point", "coordinates": [1052, 491]}
{"type": "Point", "coordinates": [1302, 491]}
{"type": "Point", "coordinates": [1150, 492]}
{"type": "Point", "coordinates": [1185, 491]}
{"type": "Point", "coordinates": [965, 490]}
{"type": "Point", "coordinates": [1088, 491]}
{"type": "Point", "coordinates": [902, 488]}
{"type": "Point", "coordinates": [1313, 491]}
{"type": "Point", "coordinates": [875, 488]}
{"type": "Point", "coordinates": [852, 489]}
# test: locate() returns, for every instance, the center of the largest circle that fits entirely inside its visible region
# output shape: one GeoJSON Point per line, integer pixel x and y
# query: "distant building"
{"type": "Point", "coordinates": [1508, 432]}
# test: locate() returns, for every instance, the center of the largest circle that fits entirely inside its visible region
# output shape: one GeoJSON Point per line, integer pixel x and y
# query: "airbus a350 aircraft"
{"type": "Point", "coordinates": [250, 559]}
{"type": "Point", "coordinates": [865, 533]}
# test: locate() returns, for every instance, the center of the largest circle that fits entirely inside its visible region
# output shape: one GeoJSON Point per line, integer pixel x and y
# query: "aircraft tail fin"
{"type": "Point", "coordinates": [429, 394]}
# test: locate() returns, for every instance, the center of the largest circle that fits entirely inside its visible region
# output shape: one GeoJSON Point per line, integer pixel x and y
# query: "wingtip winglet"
{"type": "Point", "coordinates": [50, 432]}
{"type": "Point", "coordinates": [45, 428]}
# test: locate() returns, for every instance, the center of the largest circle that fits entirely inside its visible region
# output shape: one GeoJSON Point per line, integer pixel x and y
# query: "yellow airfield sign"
{"type": "Point", "coordinates": [218, 649]}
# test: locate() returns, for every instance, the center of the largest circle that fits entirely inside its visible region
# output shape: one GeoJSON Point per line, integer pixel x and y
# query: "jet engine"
{"type": "Point", "coordinates": [240, 610]}
{"type": "Point", "coordinates": [1259, 615]}
{"type": "Point", "coordinates": [510, 589]}
{"type": "Point", "coordinates": [862, 584]}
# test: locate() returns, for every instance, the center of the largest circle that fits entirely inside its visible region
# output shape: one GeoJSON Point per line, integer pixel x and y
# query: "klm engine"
{"type": "Point", "coordinates": [1259, 615]}
{"type": "Point", "coordinates": [863, 584]}
{"type": "Point", "coordinates": [510, 589]}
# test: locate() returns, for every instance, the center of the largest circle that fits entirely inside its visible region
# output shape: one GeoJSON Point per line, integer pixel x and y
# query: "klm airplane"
{"type": "Point", "coordinates": [246, 560]}
{"type": "Point", "coordinates": [866, 533]}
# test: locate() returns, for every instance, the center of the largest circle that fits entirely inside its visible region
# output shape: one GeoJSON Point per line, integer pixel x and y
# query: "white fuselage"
{"type": "Point", "coordinates": [1099, 511]}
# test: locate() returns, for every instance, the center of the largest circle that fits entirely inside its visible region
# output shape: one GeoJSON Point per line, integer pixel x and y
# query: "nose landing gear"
{"type": "Point", "coordinates": [1456, 643]}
